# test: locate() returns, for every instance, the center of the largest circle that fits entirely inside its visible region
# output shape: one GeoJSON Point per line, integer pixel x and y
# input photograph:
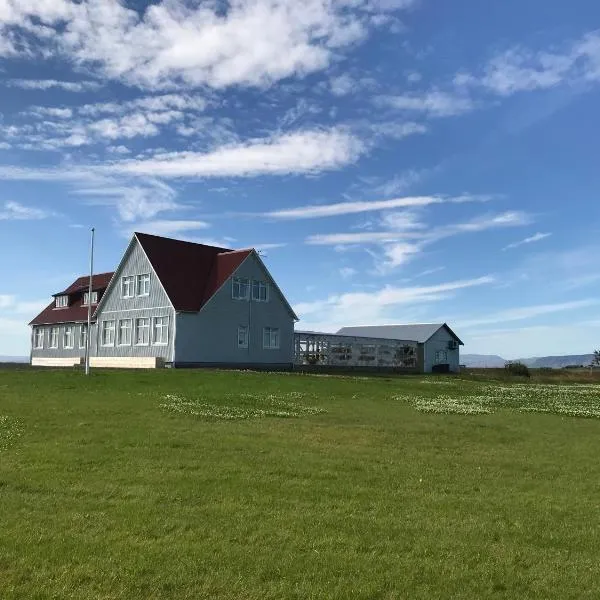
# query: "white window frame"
{"type": "Point", "coordinates": [239, 282]}
{"type": "Point", "coordinates": [54, 335]}
{"type": "Point", "coordinates": [441, 357]}
{"type": "Point", "coordinates": [61, 302]}
{"type": "Point", "coordinates": [86, 296]}
{"type": "Point", "coordinates": [243, 330]}
{"type": "Point", "coordinates": [128, 281]}
{"type": "Point", "coordinates": [70, 343]}
{"type": "Point", "coordinates": [163, 327]}
{"type": "Point", "coordinates": [137, 329]}
{"type": "Point", "coordinates": [260, 286]}
{"type": "Point", "coordinates": [274, 335]}
{"type": "Point", "coordinates": [38, 340]}
{"type": "Point", "coordinates": [120, 330]}
{"type": "Point", "coordinates": [111, 327]}
{"type": "Point", "coordinates": [82, 336]}
{"type": "Point", "coordinates": [141, 281]}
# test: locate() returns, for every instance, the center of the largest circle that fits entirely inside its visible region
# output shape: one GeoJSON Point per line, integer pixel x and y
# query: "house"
{"type": "Point", "coordinates": [175, 303]}
{"type": "Point", "coordinates": [438, 347]}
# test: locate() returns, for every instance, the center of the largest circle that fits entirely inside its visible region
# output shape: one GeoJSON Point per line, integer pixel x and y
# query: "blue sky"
{"type": "Point", "coordinates": [396, 160]}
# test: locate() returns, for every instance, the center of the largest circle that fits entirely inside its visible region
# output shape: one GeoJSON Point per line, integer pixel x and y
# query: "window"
{"type": "Point", "coordinates": [54, 337]}
{"type": "Point", "coordinates": [128, 286]}
{"type": "Point", "coordinates": [160, 332]}
{"type": "Point", "coordinates": [86, 298]}
{"type": "Point", "coordinates": [143, 284]}
{"type": "Point", "coordinates": [62, 301]}
{"type": "Point", "coordinates": [441, 357]}
{"type": "Point", "coordinates": [38, 338]}
{"type": "Point", "coordinates": [124, 333]}
{"type": "Point", "coordinates": [83, 336]}
{"type": "Point", "coordinates": [69, 337]}
{"type": "Point", "coordinates": [142, 331]}
{"type": "Point", "coordinates": [271, 338]}
{"type": "Point", "coordinates": [260, 291]}
{"type": "Point", "coordinates": [242, 336]}
{"type": "Point", "coordinates": [108, 333]}
{"type": "Point", "coordinates": [240, 289]}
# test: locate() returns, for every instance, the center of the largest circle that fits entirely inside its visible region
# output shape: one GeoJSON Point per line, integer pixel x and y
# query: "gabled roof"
{"type": "Point", "coordinates": [76, 312]}
{"type": "Point", "coordinates": [190, 273]}
{"type": "Point", "coordinates": [415, 333]}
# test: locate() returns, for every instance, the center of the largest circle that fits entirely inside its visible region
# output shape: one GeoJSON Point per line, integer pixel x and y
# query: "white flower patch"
{"type": "Point", "coordinates": [465, 405]}
{"type": "Point", "coordinates": [10, 431]}
{"type": "Point", "coordinates": [248, 406]}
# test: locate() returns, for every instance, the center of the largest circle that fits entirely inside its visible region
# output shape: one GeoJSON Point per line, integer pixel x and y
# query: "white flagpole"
{"type": "Point", "coordinates": [89, 316]}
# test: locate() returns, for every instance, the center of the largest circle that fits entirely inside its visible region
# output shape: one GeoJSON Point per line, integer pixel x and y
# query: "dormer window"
{"type": "Point", "coordinates": [62, 301]}
{"type": "Point", "coordinates": [86, 298]}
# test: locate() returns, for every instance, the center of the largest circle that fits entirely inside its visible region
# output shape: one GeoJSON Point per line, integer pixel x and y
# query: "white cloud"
{"type": "Point", "coordinates": [377, 307]}
{"type": "Point", "coordinates": [168, 228]}
{"type": "Point", "coordinates": [309, 151]}
{"type": "Point", "coordinates": [434, 103]}
{"type": "Point", "coordinates": [174, 41]}
{"type": "Point", "coordinates": [528, 240]}
{"type": "Point", "coordinates": [14, 211]}
{"type": "Point", "coordinates": [46, 84]}
{"type": "Point", "coordinates": [347, 272]}
{"type": "Point", "coordinates": [152, 103]}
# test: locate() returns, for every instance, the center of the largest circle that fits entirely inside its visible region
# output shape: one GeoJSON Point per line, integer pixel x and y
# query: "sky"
{"type": "Point", "coordinates": [394, 161]}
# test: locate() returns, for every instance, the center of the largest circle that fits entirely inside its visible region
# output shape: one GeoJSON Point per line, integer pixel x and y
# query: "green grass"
{"type": "Point", "coordinates": [108, 489]}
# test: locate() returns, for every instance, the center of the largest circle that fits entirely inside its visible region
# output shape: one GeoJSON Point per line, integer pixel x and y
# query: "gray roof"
{"type": "Point", "coordinates": [415, 333]}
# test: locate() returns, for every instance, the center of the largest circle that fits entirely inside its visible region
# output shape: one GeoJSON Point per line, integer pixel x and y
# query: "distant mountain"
{"type": "Point", "coordinates": [14, 359]}
{"type": "Point", "coordinates": [484, 361]}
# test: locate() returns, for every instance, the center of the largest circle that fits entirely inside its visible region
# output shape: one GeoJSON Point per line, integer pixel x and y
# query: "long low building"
{"type": "Point", "coordinates": [423, 348]}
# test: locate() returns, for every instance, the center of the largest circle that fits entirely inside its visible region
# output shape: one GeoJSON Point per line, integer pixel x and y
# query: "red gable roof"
{"type": "Point", "coordinates": [76, 312]}
{"type": "Point", "coordinates": [190, 273]}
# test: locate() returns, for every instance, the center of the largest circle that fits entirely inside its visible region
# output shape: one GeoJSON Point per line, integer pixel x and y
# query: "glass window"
{"type": "Point", "coordinates": [62, 301]}
{"type": "Point", "coordinates": [128, 286]}
{"type": "Point", "coordinates": [160, 335]}
{"type": "Point", "coordinates": [441, 357]}
{"type": "Point", "coordinates": [86, 298]}
{"type": "Point", "coordinates": [69, 337]}
{"type": "Point", "coordinates": [54, 337]}
{"type": "Point", "coordinates": [142, 331]}
{"type": "Point", "coordinates": [38, 338]}
{"type": "Point", "coordinates": [242, 336]}
{"type": "Point", "coordinates": [259, 291]}
{"type": "Point", "coordinates": [241, 288]}
{"type": "Point", "coordinates": [124, 333]}
{"type": "Point", "coordinates": [108, 333]}
{"type": "Point", "coordinates": [271, 338]}
{"type": "Point", "coordinates": [143, 284]}
{"type": "Point", "coordinates": [83, 336]}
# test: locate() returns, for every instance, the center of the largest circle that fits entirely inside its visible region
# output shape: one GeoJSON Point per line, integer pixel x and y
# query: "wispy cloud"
{"type": "Point", "coordinates": [528, 240]}
{"type": "Point", "coordinates": [433, 103]}
{"type": "Point", "coordinates": [14, 211]}
{"type": "Point", "coordinates": [165, 227]}
{"type": "Point", "coordinates": [46, 84]}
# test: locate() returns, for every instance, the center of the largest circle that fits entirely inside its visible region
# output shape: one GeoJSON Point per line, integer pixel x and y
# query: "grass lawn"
{"type": "Point", "coordinates": [198, 484]}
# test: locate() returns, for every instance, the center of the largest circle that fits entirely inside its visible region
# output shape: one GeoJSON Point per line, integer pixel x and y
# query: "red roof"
{"type": "Point", "coordinates": [190, 273]}
{"type": "Point", "coordinates": [76, 312]}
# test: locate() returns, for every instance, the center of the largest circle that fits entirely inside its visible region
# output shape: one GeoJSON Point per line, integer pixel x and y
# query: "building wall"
{"type": "Point", "coordinates": [115, 308]}
{"type": "Point", "coordinates": [210, 336]}
{"type": "Point", "coordinates": [61, 351]}
{"type": "Point", "coordinates": [439, 342]}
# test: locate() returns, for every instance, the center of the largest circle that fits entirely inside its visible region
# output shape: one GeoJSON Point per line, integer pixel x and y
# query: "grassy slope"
{"type": "Point", "coordinates": [106, 496]}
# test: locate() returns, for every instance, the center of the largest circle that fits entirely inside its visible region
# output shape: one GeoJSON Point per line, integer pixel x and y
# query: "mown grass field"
{"type": "Point", "coordinates": [188, 485]}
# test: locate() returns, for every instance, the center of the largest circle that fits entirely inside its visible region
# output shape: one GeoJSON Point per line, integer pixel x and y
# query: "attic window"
{"type": "Point", "coordinates": [240, 288]}
{"type": "Point", "coordinates": [62, 301]}
{"type": "Point", "coordinates": [86, 298]}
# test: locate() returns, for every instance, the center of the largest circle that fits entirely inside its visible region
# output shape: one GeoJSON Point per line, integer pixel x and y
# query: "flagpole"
{"type": "Point", "coordinates": [89, 315]}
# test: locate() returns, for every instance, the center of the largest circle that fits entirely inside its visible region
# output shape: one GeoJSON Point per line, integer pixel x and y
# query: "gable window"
{"type": "Point", "coordinates": [271, 338]}
{"type": "Point", "coordinates": [240, 288]}
{"type": "Point", "coordinates": [160, 331]}
{"type": "Point", "coordinates": [38, 338]}
{"type": "Point", "coordinates": [124, 333]}
{"type": "Point", "coordinates": [143, 284]}
{"type": "Point", "coordinates": [83, 336]}
{"type": "Point", "coordinates": [54, 337]}
{"type": "Point", "coordinates": [69, 337]}
{"type": "Point", "coordinates": [108, 333]}
{"type": "Point", "coordinates": [142, 331]}
{"type": "Point", "coordinates": [62, 301]}
{"type": "Point", "coordinates": [86, 298]}
{"type": "Point", "coordinates": [260, 291]}
{"type": "Point", "coordinates": [242, 336]}
{"type": "Point", "coordinates": [128, 286]}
